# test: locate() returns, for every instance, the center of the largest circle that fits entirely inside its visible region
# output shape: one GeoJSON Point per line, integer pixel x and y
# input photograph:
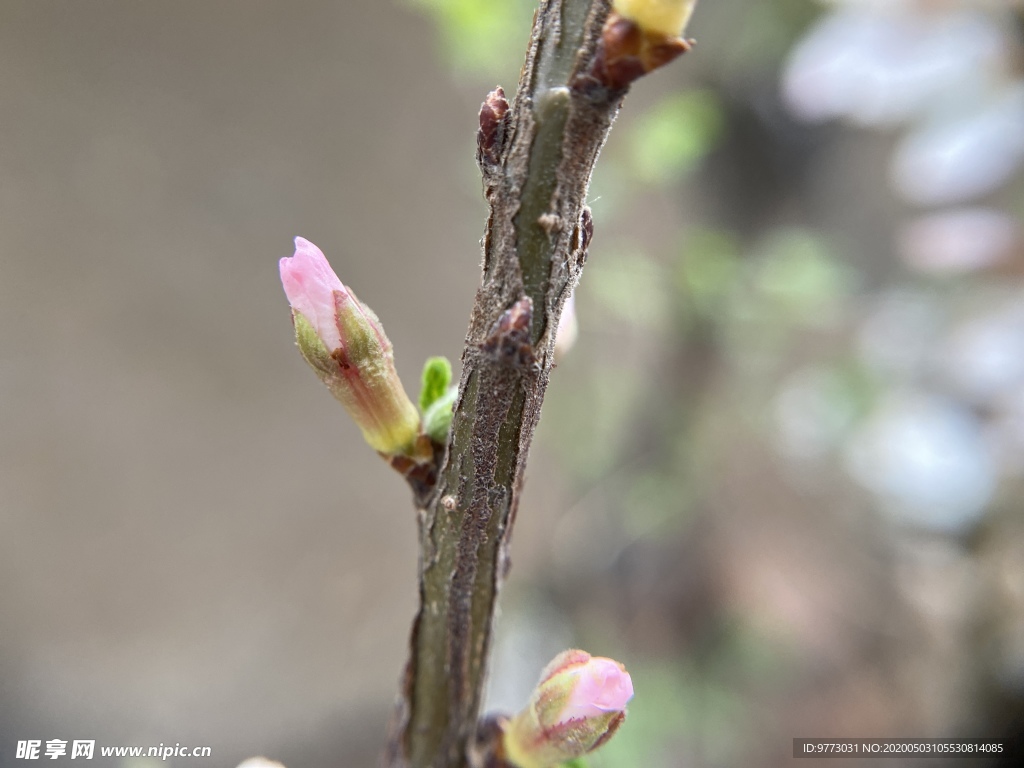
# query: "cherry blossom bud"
{"type": "Point", "coordinates": [577, 706]}
{"type": "Point", "coordinates": [344, 343]}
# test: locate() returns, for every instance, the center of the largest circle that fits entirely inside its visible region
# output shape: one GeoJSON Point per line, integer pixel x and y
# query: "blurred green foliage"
{"type": "Point", "coordinates": [708, 270]}
{"type": "Point", "coordinates": [631, 289]}
{"type": "Point", "coordinates": [751, 302]}
{"type": "Point", "coordinates": [697, 705]}
{"type": "Point", "coordinates": [668, 141]}
{"type": "Point", "coordinates": [797, 273]}
{"type": "Point", "coordinates": [484, 38]}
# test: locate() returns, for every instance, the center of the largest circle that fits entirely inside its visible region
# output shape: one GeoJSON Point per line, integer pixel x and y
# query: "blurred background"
{"type": "Point", "coordinates": [779, 472]}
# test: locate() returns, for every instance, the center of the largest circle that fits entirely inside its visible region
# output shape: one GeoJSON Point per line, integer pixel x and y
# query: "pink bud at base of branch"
{"type": "Point", "coordinates": [578, 704]}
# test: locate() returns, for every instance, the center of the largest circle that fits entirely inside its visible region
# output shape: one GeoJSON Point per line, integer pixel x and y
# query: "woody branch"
{"type": "Point", "coordinates": [536, 157]}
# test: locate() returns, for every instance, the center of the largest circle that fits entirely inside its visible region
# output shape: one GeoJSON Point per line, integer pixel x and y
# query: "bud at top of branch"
{"type": "Point", "coordinates": [310, 285]}
{"type": "Point", "coordinates": [664, 17]}
{"type": "Point", "coordinates": [639, 36]}
{"type": "Point", "coordinates": [344, 342]}
{"type": "Point", "coordinates": [577, 706]}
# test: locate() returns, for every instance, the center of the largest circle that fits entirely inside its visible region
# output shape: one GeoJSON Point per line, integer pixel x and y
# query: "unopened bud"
{"type": "Point", "coordinates": [344, 343]}
{"type": "Point", "coordinates": [663, 17]}
{"type": "Point", "coordinates": [577, 706]}
{"type": "Point", "coordinates": [639, 36]}
{"type": "Point", "coordinates": [493, 122]}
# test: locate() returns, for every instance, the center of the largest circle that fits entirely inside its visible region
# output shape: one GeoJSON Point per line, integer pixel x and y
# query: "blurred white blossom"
{"type": "Point", "coordinates": [943, 69]}
{"type": "Point", "coordinates": [882, 63]}
{"type": "Point", "coordinates": [984, 357]}
{"type": "Point", "coordinates": [812, 413]}
{"type": "Point", "coordinates": [926, 459]}
{"type": "Point", "coordinates": [899, 331]}
{"type": "Point", "coordinates": [259, 762]}
{"type": "Point", "coordinates": [961, 157]}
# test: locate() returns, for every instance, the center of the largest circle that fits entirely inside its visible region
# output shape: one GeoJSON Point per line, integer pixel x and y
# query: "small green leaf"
{"type": "Point", "coordinates": [437, 419]}
{"type": "Point", "coordinates": [437, 375]}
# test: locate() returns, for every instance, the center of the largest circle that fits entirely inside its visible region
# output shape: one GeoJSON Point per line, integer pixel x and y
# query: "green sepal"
{"type": "Point", "coordinates": [310, 345]}
{"type": "Point", "coordinates": [437, 419]}
{"type": "Point", "coordinates": [361, 375]}
{"type": "Point", "coordinates": [437, 375]}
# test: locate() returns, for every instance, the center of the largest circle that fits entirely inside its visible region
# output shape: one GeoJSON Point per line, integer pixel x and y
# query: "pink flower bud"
{"type": "Point", "coordinates": [578, 704]}
{"type": "Point", "coordinates": [344, 343]}
{"type": "Point", "coordinates": [601, 686]}
{"type": "Point", "coordinates": [310, 285]}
